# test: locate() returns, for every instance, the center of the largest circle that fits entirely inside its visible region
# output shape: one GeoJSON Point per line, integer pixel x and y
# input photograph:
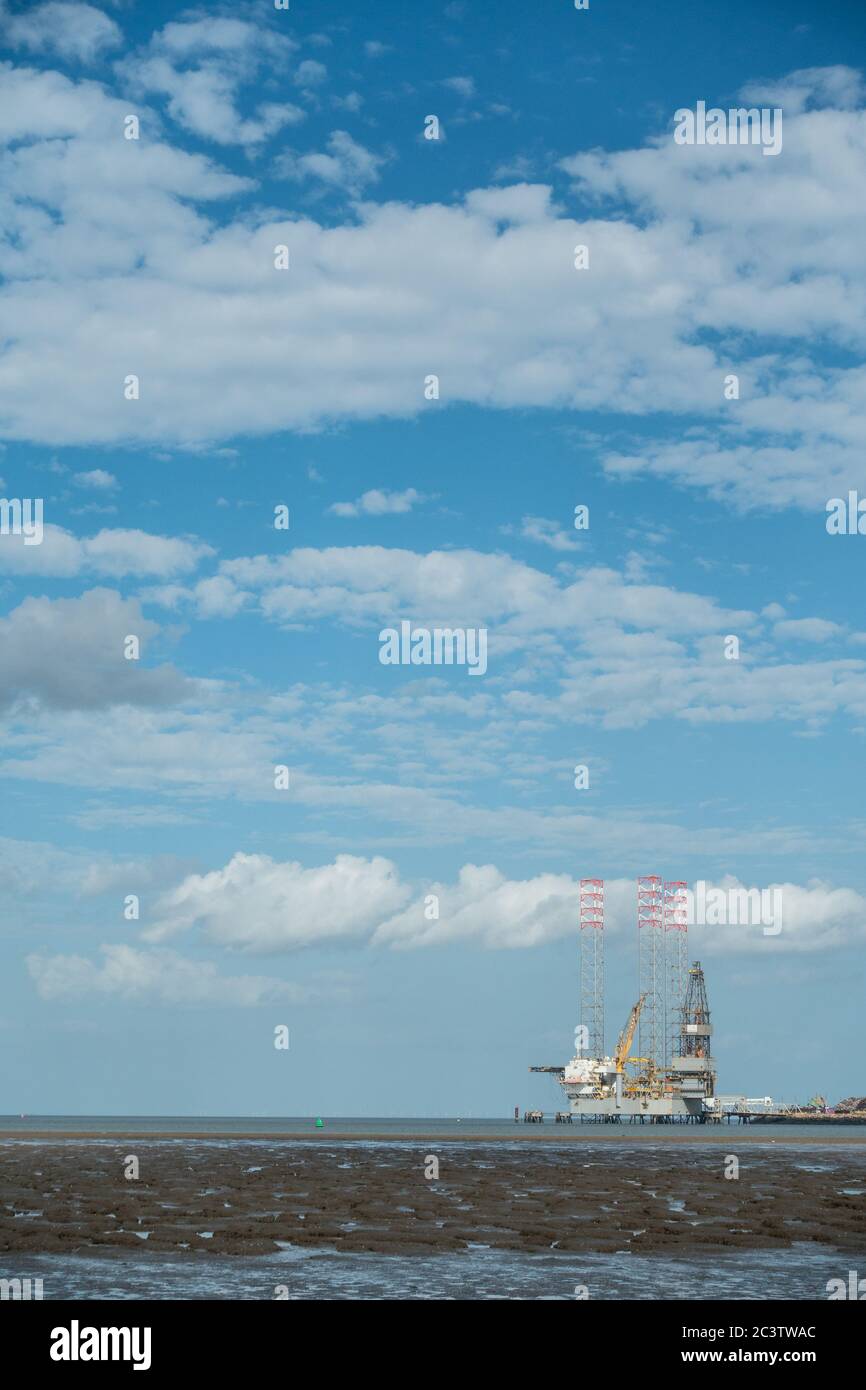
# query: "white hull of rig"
{"type": "Point", "coordinates": [673, 1106]}
{"type": "Point", "coordinates": [593, 1087]}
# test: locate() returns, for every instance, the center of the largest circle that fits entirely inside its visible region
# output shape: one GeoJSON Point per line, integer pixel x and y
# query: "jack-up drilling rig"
{"type": "Point", "coordinates": [676, 1080]}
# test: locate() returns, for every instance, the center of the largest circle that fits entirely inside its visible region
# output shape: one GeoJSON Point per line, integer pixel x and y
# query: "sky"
{"type": "Point", "coordinates": [283, 372]}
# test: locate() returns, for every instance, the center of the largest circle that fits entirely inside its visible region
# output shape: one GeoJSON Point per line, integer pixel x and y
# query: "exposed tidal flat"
{"type": "Point", "coordinates": [212, 1198]}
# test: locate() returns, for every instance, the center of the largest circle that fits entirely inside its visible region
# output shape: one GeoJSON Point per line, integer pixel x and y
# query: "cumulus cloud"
{"type": "Point", "coordinates": [365, 583]}
{"type": "Point", "coordinates": [200, 67]}
{"type": "Point", "coordinates": [801, 917]}
{"type": "Point", "coordinates": [809, 88]}
{"type": "Point", "coordinates": [345, 164]}
{"type": "Point", "coordinates": [155, 977]}
{"type": "Point", "coordinates": [485, 288]}
{"type": "Point", "coordinates": [379, 502]}
{"type": "Point", "coordinates": [486, 907]}
{"type": "Point", "coordinates": [613, 648]}
{"type": "Point", "coordinates": [96, 479]}
{"type": "Point", "coordinates": [257, 904]}
{"type": "Point", "coordinates": [69, 654]}
{"type": "Point", "coordinates": [215, 597]}
{"type": "Point", "coordinates": [66, 29]}
{"type": "Point", "coordinates": [352, 101]}
{"type": "Point", "coordinates": [545, 531]}
{"type": "Point", "coordinates": [103, 207]}
{"type": "Point", "coordinates": [807, 629]}
{"type": "Point", "coordinates": [112, 553]}
{"type": "Point", "coordinates": [310, 74]}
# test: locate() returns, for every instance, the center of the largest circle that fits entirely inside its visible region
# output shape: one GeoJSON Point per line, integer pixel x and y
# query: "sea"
{"type": "Point", "coordinates": [391, 1127]}
{"type": "Point", "coordinates": [800, 1272]}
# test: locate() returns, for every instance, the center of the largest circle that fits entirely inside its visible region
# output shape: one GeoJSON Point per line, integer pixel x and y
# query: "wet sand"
{"type": "Point", "coordinates": [250, 1198]}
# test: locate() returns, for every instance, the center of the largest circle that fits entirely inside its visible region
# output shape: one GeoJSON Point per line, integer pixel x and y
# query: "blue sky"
{"type": "Point", "coordinates": [558, 387]}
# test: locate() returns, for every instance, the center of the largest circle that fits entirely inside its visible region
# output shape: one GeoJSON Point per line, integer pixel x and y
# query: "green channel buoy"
{"type": "Point", "coordinates": [320, 1124]}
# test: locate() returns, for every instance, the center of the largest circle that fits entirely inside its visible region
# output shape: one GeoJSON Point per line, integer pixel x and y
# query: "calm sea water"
{"type": "Point", "coordinates": [390, 1127]}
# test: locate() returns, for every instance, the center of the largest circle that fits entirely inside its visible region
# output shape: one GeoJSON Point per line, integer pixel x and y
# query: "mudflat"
{"type": "Point", "coordinates": [250, 1197]}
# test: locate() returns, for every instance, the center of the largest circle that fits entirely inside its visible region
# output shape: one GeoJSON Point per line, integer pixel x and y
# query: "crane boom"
{"type": "Point", "coordinates": [626, 1037]}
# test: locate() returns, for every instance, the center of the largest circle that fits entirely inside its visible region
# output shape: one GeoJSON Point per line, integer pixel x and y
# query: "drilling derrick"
{"type": "Point", "coordinates": [676, 939]}
{"type": "Point", "coordinates": [650, 923]}
{"type": "Point", "coordinates": [693, 1071]}
{"type": "Point", "coordinates": [592, 963]}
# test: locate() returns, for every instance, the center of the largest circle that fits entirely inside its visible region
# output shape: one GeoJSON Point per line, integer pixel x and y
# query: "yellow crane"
{"type": "Point", "coordinates": [626, 1037]}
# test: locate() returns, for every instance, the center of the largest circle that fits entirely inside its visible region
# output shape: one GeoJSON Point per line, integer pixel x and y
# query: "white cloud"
{"type": "Point", "coordinates": [216, 597]}
{"type": "Point", "coordinates": [463, 86]}
{"type": "Point", "coordinates": [608, 649]}
{"type": "Point", "coordinates": [357, 584]}
{"type": "Point", "coordinates": [346, 164]}
{"type": "Point", "coordinates": [201, 66]}
{"type": "Point", "coordinates": [807, 629]}
{"type": "Point", "coordinates": [500, 312]}
{"type": "Point", "coordinates": [59, 554]}
{"type": "Point", "coordinates": [809, 88]}
{"type": "Point", "coordinates": [111, 553]}
{"type": "Point", "coordinates": [65, 28]}
{"type": "Point", "coordinates": [522, 202]}
{"type": "Point", "coordinates": [102, 233]}
{"type": "Point", "coordinates": [256, 904]}
{"type": "Point", "coordinates": [135, 552]}
{"type": "Point", "coordinates": [83, 203]}
{"type": "Point", "coordinates": [352, 101]}
{"type": "Point", "coordinates": [155, 977]}
{"type": "Point", "coordinates": [97, 479]}
{"type": "Point", "coordinates": [818, 461]}
{"type": "Point", "coordinates": [814, 917]}
{"type": "Point", "coordinates": [310, 74]}
{"type": "Point", "coordinates": [545, 531]}
{"type": "Point", "coordinates": [69, 654]}
{"type": "Point", "coordinates": [486, 907]}
{"type": "Point", "coordinates": [379, 502]}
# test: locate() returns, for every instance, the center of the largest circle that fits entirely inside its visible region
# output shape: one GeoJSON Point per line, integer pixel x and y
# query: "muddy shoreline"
{"type": "Point", "coordinates": [251, 1198]}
